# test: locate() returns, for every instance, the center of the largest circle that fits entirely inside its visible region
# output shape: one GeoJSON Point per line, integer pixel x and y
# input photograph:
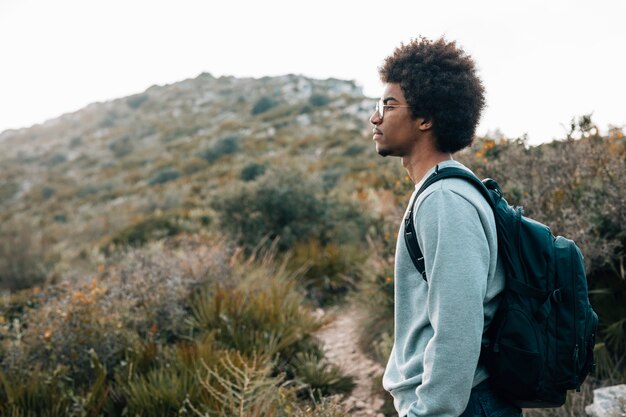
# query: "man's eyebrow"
{"type": "Point", "coordinates": [386, 99]}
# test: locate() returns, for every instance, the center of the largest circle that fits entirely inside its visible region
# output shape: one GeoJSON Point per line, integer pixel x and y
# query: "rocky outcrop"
{"type": "Point", "coordinates": [608, 402]}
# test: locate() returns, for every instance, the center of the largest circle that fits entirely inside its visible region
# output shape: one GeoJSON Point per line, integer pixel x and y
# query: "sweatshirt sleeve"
{"type": "Point", "coordinates": [456, 257]}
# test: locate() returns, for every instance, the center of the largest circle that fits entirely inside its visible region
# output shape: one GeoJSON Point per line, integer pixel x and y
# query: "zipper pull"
{"type": "Point", "coordinates": [576, 370]}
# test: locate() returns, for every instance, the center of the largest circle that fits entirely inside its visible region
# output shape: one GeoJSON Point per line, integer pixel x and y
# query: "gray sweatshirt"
{"type": "Point", "coordinates": [439, 325]}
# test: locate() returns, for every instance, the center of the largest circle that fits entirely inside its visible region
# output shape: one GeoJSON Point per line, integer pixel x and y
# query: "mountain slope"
{"type": "Point", "coordinates": [75, 181]}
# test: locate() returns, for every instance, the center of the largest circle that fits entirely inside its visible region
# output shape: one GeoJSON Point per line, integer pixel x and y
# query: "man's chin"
{"type": "Point", "coordinates": [383, 152]}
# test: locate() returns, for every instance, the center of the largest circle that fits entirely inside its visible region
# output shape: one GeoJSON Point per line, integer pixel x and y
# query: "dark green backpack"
{"type": "Point", "coordinates": [543, 334]}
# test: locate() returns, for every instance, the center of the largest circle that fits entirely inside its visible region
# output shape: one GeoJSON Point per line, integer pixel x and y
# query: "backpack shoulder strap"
{"type": "Point", "coordinates": [410, 236]}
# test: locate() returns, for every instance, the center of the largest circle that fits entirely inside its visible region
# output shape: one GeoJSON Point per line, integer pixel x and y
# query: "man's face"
{"type": "Point", "coordinates": [396, 133]}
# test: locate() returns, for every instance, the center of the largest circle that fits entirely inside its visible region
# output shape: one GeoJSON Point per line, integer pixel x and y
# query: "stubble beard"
{"type": "Point", "coordinates": [382, 151]}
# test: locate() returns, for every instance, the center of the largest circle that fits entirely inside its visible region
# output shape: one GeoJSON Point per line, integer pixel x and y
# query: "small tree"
{"type": "Point", "coordinates": [21, 257]}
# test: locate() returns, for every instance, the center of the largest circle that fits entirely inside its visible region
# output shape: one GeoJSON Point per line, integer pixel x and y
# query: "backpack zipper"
{"type": "Point", "coordinates": [576, 377]}
{"type": "Point", "coordinates": [576, 380]}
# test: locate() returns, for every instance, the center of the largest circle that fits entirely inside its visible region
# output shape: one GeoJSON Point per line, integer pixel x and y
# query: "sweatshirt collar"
{"type": "Point", "coordinates": [444, 164]}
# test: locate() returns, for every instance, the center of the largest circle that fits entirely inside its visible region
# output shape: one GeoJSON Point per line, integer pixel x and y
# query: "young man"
{"type": "Point", "coordinates": [431, 104]}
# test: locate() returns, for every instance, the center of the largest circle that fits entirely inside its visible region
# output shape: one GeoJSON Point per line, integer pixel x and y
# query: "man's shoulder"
{"type": "Point", "coordinates": [450, 190]}
{"type": "Point", "coordinates": [453, 190]}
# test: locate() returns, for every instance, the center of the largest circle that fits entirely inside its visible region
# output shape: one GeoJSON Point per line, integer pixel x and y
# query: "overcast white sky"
{"type": "Point", "coordinates": [542, 62]}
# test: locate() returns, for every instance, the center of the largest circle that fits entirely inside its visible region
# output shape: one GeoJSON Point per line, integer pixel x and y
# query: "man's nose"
{"type": "Point", "coordinates": [375, 118]}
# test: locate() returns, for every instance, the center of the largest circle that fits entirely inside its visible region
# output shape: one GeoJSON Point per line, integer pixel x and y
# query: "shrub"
{"type": "Point", "coordinates": [108, 120]}
{"type": "Point", "coordinates": [164, 175]}
{"type": "Point", "coordinates": [171, 133]}
{"type": "Point", "coordinates": [56, 159]}
{"type": "Point", "coordinates": [59, 217]}
{"type": "Point", "coordinates": [161, 392]}
{"type": "Point", "coordinates": [152, 228]}
{"type": "Point", "coordinates": [172, 272]}
{"type": "Point", "coordinates": [22, 262]}
{"type": "Point", "coordinates": [266, 320]}
{"type": "Point", "coordinates": [225, 146]}
{"type": "Point", "coordinates": [326, 407]}
{"type": "Point", "coordinates": [241, 387]}
{"type": "Point", "coordinates": [76, 141]}
{"type": "Point", "coordinates": [354, 150]}
{"type": "Point", "coordinates": [38, 395]}
{"type": "Point", "coordinates": [281, 204]}
{"type": "Point", "coordinates": [8, 189]}
{"type": "Point", "coordinates": [377, 295]}
{"type": "Point", "coordinates": [68, 333]}
{"type": "Point", "coordinates": [263, 104]}
{"type": "Point", "coordinates": [194, 165]}
{"type": "Point", "coordinates": [320, 377]}
{"type": "Point", "coordinates": [87, 190]}
{"type": "Point", "coordinates": [319, 100]}
{"type": "Point", "coordinates": [47, 192]}
{"type": "Point", "coordinates": [251, 171]}
{"type": "Point", "coordinates": [134, 102]}
{"type": "Point", "coordinates": [331, 270]}
{"type": "Point", "coordinates": [121, 147]}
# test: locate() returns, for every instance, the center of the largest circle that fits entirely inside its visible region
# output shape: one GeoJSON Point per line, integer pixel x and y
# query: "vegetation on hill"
{"type": "Point", "coordinates": [164, 253]}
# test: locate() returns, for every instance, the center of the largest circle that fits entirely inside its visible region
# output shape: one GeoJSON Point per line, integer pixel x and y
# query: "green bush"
{"type": "Point", "coordinates": [152, 228]}
{"type": "Point", "coordinates": [51, 394]}
{"type": "Point", "coordinates": [47, 192]}
{"type": "Point", "coordinates": [8, 189]}
{"type": "Point", "coordinates": [331, 270]}
{"type": "Point", "coordinates": [160, 392]}
{"type": "Point", "coordinates": [59, 218]}
{"type": "Point", "coordinates": [319, 100]}
{"type": "Point", "coordinates": [251, 171]}
{"type": "Point", "coordinates": [56, 159]}
{"type": "Point", "coordinates": [264, 320]}
{"type": "Point", "coordinates": [108, 120]}
{"type": "Point", "coordinates": [281, 204]}
{"type": "Point", "coordinates": [225, 146]}
{"type": "Point", "coordinates": [263, 104]}
{"type": "Point", "coordinates": [121, 147]}
{"type": "Point", "coordinates": [22, 259]}
{"type": "Point", "coordinates": [320, 377]}
{"type": "Point", "coordinates": [164, 175]}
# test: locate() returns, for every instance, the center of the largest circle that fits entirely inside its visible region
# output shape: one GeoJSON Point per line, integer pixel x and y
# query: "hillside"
{"type": "Point", "coordinates": [78, 180]}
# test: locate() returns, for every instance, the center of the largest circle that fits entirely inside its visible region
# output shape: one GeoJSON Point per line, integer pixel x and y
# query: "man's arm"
{"type": "Point", "coordinates": [456, 255]}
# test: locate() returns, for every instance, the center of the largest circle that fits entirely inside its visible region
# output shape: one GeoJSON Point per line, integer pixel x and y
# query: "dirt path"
{"type": "Point", "coordinates": [339, 338]}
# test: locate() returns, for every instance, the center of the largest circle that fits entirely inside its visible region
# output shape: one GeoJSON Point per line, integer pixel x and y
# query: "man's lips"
{"type": "Point", "coordinates": [377, 133]}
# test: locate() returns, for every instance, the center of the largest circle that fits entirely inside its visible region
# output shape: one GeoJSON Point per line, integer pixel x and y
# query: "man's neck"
{"type": "Point", "coordinates": [418, 165]}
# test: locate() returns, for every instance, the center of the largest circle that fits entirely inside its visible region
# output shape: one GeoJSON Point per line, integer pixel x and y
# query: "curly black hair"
{"type": "Point", "coordinates": [439, 82]}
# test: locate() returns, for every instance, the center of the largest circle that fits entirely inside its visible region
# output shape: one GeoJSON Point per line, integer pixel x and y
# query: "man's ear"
{"type": "Point", "coordinates": [424, 123]}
